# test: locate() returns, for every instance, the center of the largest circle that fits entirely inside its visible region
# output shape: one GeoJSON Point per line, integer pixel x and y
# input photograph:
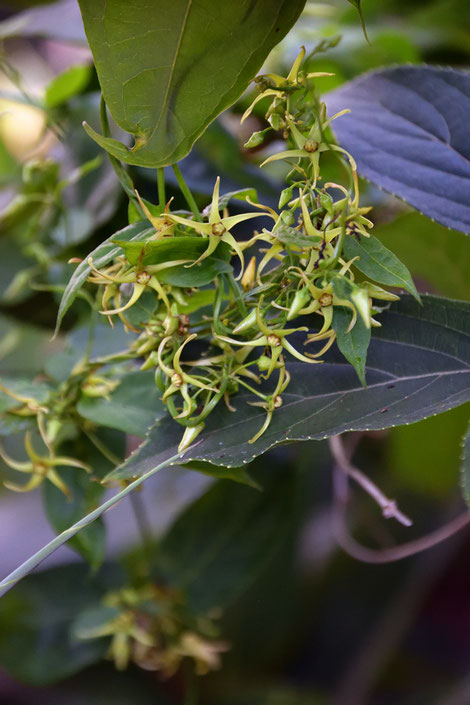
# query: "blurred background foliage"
{"type": "Point", "coordinates": [307, 624]}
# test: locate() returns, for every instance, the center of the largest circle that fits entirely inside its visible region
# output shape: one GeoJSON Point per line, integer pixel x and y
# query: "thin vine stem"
{"type": "Point", "coordinates": [37, 558]}
{"type": "Point", "coordinates": [187, 193]}
{"type": "Point", "coordinates": [161, 187]}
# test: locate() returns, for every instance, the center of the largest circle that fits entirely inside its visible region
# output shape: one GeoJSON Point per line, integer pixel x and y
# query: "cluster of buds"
{"type": "Point", "coordinates": [151, 627]}
{"type": "Point", "coordinates": [238, 327]}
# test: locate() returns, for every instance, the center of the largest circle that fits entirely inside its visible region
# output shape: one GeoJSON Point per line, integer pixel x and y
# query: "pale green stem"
{"type": "Point", "coordinates": [187, 193]}
{"type": "Point", "coordinates": [25, 568]}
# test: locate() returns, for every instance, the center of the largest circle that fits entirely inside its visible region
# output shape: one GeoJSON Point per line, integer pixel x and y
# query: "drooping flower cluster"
{"type": "Point", "coordinates": [211, 333]}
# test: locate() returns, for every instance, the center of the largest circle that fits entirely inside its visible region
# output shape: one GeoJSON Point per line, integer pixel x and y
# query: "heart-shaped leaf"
{"type": "Point", "coordinates": [418, 365]}
{"type": "Point", "coordinates": [352, 343]}
{"type": "Point", "coordinates": [167, 69]}
{"type": "Point", "coordinates": [407, 132]}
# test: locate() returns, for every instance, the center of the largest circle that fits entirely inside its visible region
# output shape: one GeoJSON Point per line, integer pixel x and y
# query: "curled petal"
{"type": "Point", "coordinates": [259, 97]}
{"type": "Point", "coordinates": [32, 483]}
{"type": "Point", "coordinates": [136, 294]}
{"type": "Point", "coordinates": [290, 348]}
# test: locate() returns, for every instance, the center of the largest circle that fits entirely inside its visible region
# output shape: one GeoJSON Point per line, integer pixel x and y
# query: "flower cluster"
{"type": "Point", "coordinates": [211, 332]}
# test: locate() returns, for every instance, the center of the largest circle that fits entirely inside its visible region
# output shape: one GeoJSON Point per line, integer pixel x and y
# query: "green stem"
{"type": "Point", "coordinates": [186, 192]}
{"type": "Point", "coordinates": [25, 568]}
{"type": "Point", "coordinates": [124, 178]}
{"type": "Point", "coordinates": [161, 187]}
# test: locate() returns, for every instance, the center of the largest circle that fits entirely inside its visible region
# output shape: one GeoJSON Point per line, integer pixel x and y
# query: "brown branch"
{"type": "Point", "coordinates": [388, 506]}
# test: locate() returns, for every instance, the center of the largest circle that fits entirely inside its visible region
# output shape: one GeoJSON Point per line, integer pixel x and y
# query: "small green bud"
{"type": "Point", "coordinates": [285, 197]}
{"type": "Point", "coordinates": [256, 139]}
{"type": "Point", "coordinates": [248, 322]}
{"type": "Point", "coordinates": [299, 301]}
{"type": "Point", "coordinates": [189, 436]}
{"type": "Point", "coordinates": [285, 218]}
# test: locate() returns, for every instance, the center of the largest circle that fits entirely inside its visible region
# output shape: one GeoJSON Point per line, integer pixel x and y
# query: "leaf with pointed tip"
{"type": "Point", "coordinates": [103, 254]}
{"type": "Point", "coordinates": [406, 132]}
{"type": "Point", "coordinates": [379, 263]}
{"type": "Point", "coordinates": [418, 365]}
{"type": "Point", "coordinates": [354, 343]}
{"type": "Point", "coordinates": [167, 69]}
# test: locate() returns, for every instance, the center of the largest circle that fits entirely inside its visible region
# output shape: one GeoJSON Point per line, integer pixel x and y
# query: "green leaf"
{"type": "Point", "coordinates": [353, 344]}
{"type": "Point", "coordinates": [465, 471]}
{"type": "Point", "coordinates": [180, 248]}
{"type": "Point", "coordinates": [214, 557]}
{"type": "Point", "coordinates": [418, 365]}
{"type": "Point", "coordinates": [168, 69]}
{"type": "Point", "coordinates": [379, 263]}
{"type": "Point", "coordinates": [133, 407]}
{"type": "Point", "coordinates": [103, 254]}
{"type": "Point", "coordinates": [35, 644]}
{"type": "Point", "coordinates": [67, 85]}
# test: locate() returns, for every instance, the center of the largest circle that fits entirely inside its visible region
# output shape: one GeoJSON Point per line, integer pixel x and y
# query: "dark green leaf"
{"type": "Point", "coordinates": [103, 254]}
{"type": "Point", "coordinates": [67, 85]}
{"type": "Point", "coordinates": [353, 344]}
{"type": "Point", "coordinates": [406, 132]}
{"type": "Point", "coordinates": [133, 407]}
{"type": "Point", "coordinates": [35, 644]}
{"type": "Point", "coordinates": [180, 248]}
{"type": "Point", "coordinates": [379, 263]}
{"type": "Point", "coordinates": [214, 555]}
{"type": "Point", "coordinates": [418, 365]}
{"type": "Point", "coordinates": [161, 70]}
